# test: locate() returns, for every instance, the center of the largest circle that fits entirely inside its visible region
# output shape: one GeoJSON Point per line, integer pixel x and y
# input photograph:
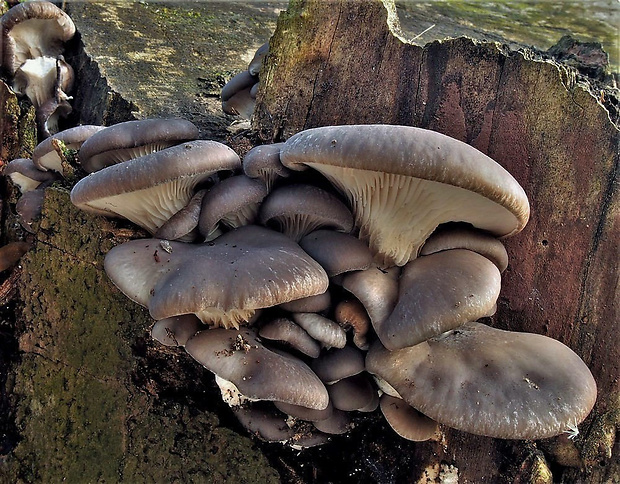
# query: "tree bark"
{"type": "Point", "coordinates": [344, 63]}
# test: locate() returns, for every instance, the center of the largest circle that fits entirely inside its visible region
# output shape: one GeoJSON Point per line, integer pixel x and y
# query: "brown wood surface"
{"type": "Point", "coordinates": [340, 63]}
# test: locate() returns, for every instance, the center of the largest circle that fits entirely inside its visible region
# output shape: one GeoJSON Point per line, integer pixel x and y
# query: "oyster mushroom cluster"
{"type": "Point", "coordinates": [341, 271]}
{"type": "Point", "coordinates": [239, 94]}
{"type": "Point", "coordinates": [32, 45]}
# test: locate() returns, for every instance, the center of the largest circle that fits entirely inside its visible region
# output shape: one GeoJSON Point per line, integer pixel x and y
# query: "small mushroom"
{"type": "Point", "coordinates": [236, 99]}
{"type": "Point", "coordinates": [338, 423]}
{"type": "Point", "coordinates": [286, 331]}
{"type": "Point", "coordinates": [322, 329]}
{"type": "Point", "coordinates": [132, 139]}
{"type": "Point", "coordinates": [406, 420]}
{"type": "Point", "coordinates": [175, 331]}
{"type": "Point", "coordinates": [338, 363]}
{"type": "Point", "coordinates": [263, 162]}
{"type": "Point", "coordinates": [297, 210]}
{"type": "Point", "coordinates": [257, 60]}
{"type": "Point", "coordinates": [499, 383]}
{"type": "Point", "coordinates": [351, 314]}
{"type": "Point", "coordinates": [337, 252]}
{"type": "Point", "coordinates": [24, 173]}
{"type": "Point", "coordinates": [11, 253]}
{"type": "Point", "coordinates": [353, 393]}
{"type": "Point", "coordinates": [182, 225]}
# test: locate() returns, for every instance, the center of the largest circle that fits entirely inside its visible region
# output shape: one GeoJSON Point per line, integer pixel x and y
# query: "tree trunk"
{"type": "Point", "coordinates": [344, 63]}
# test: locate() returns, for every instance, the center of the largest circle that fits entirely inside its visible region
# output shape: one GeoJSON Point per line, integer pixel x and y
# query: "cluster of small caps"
{"type": "Point", "coordinates": [239, 94]}
{"type": "Point", "coordinates": [34, 34]}
{"type": "Point", "coordinates": [337, 272]}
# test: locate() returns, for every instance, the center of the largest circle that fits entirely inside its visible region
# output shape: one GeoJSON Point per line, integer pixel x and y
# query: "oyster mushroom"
{"type": "Point", "coordinates": [263, 162]}
{"type": "Point", "coordinates": [402, 182]}
{"type": "Point", "coordinates": [499, 383]}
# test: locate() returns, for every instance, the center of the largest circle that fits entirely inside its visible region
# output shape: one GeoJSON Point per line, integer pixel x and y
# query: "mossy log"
{"type": "Point", "coordinates": [344, 63]}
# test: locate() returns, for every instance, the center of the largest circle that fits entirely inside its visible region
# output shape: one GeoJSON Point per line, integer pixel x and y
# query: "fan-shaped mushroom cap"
{"type": "Point", "coordinates": [257, 60]}
{"type": "Point", "coordinates": [239, 82]}
{"type": "Point", "coordinates": [376, 289]}
{"type": "Point", "coordinates": [33, 29]}
{"type": "Point", "coordinates": [258, 373]}
{"type": "Point", "coordinates": [322, 329]}
{"type": "Point", "coordinates": [439, 292]}
{"type": "Point", "coordinates": [338, 363]}
{"type": "Point", "coordinates": [24, 173]}
{"type": "Point", "coordinates": [263, 162]}
{"type": "Point", "coordinates": [406, 420]}
{"type": "Point", "coordinates": [45, 156]}
{"type": "Point", "coordinates": [234, 202]}
{"type": "Point", "coordinates": [242, 103]}
{"type": "Point", "coordinates": [402, 182]}
{"type": "Point", "coordinates": [499, 383]}
{"type": "Point", "coordinates": [262, 420]}
{"type": "Point", "coordinates": [337, 252]}
{"type": "Point", "coordinates": [470, 239]}
{"type": "Point", "coordinates": [297, 210]}
{"type": "Point", "coordinates": [338, 423]}
{"type": "Point", "coordinates": [131, 139]}
{"type": "Point", "coordinates": [223, 282]}
{"type": "Point", "coordinates": [150, 189]}
{"type": "Point", "coordinates": [310, 304]}
{"type": "Point", "coordinates": [175, 331]}
{"type": "Point", "coordinates": [182, 225]}
{"type": "Point", "coordinates": [286, 331]}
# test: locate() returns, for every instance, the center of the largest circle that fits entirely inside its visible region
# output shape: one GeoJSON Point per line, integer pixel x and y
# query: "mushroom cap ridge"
{"type": "Point", "coordinates": [499, 383]}
{"type": "Point", "coordinates": [356, 151]}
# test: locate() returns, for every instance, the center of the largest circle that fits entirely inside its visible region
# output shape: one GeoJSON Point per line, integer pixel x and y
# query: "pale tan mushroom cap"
{"type": "Point", "coordinates": [431, 179]}
{"type": "Point", "coordinates": [498, 383]}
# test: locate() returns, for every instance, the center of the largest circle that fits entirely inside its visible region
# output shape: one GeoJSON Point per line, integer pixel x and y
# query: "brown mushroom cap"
{"type": "Point", "coordinates": [11, 253]}
{"type": "Point", "coordinates": [499, 383]}
{"type": "Point", "coordinates": [430, 179]}
{"type": "Point", "coordinates": [150, 189]}
{"type": "Point", "coordinates": [297, 210]}
{"type": "Point", "coordinates": [239, 357]}
{"type": "Point", "coordinates": [406, 420]}
{"type": "Point", "coordinates": [234, 202]}
{"type": "Point", "coordinates": [467, 238]}
{"type": "Point", "coordinates": [351, 314]}
{"type": "Point", "coordinates": [439, 292]}
{"type": "Point", "coordinates": [337, 252]}
{"type": "Point", "coordinates": [33, 29]}
{"type": "Point", "coordinates": [132, 139]}
{"type": "Point", "coordinates": [223, 282]}
{"type": "Point", "coordinates": [45, 156]}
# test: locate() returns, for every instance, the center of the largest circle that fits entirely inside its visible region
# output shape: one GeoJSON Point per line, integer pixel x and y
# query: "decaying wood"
{"type": "Point", "coordinates": [342, 63]}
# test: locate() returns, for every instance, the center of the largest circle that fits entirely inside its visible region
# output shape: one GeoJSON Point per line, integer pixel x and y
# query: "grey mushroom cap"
{"type": "Point", "coordinates": [257, 60]}
{"type": "Point", "coordinates": [337, 252]}
{"type": "Point", "coordinates": [234, 202]}
{"type": "Point", "coordinates": [406, 420]}
{"type": "Point", "coordinates": [455, 181]}
{"type": "Point", "coordinates": [338, 363]}
{"type": "Point", "coordinates": [437, 293]}
{"type": "Point", "coordinates": [242, 104]}
{"type": "Point", "coordinates": [24, 173]}
{"type": "Point", "coordinates": [131, 139]}
{"type": "Point", "coordinates": [150, 189]}
{"type": "Point", "coordinates": [263, 421]}
{"type": "Point", "coordinates": [33, 29]}
{"type": "Point", "coordinates": [246, 269]}
{"type": "Point", "coordinates": [239, 357]}
{"type": "Point", "coordinates": [353, 393]}
{"type": "Point", "coordinates": [499, 383]}
{"type": "Point", "coordinates": [322, 329]}
{"type": "Point", "coordinates": [467, 238]}
{"type": "Point", "coordinates": [45, 156]}
{"type": "Point", "coordinates": [175, 331]}
{"type": "Point", "coordinates": [29, 207]}
{"type": "Point", "coordinates": [286, 331]}
{"type": "Point", "coordinates": [297, 210]}
{"type": "Point", "coordinates": [263, 162]}
{"type": "Point", "coordinates": [338, 423]}
{"type": "Point", "coordinates": [183, 224]}
{"type": "Point", "coordinates": [242, 81]}
{"type": "Point", "coordinates": [304, 413]}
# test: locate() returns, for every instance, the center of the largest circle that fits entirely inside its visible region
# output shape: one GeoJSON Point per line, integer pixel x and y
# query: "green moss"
{"type": "Point", "coordinates": [81, 416]}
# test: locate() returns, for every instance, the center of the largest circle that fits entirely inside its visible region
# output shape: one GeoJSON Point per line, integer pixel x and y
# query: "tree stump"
{"type": "Point", "coordinates": [345, 63]}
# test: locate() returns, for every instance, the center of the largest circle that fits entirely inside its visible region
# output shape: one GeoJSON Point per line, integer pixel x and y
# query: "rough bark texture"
{"type": "Point", "coordinates": [538, 120]}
